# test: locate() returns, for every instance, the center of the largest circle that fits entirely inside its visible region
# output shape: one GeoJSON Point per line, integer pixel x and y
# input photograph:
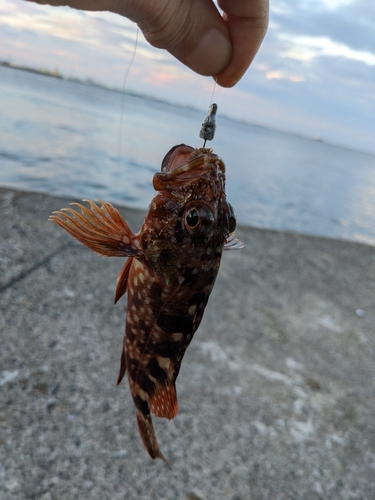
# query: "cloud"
{"type": "Point", "coordinates": [307, 48]}
{"type": "Point", "coordinates": [316, 73]}
{"type": "Point", "coordinates": [351, 23]}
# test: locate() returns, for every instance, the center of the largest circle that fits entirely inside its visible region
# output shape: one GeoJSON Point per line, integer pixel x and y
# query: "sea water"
{"type": "Point", "coordinates": [82, 141]}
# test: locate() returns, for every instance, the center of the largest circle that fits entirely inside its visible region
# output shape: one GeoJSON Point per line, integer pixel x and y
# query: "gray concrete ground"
{"type": "Point", "coordinates": [276, 392]}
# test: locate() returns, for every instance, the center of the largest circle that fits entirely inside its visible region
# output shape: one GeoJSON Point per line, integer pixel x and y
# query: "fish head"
{"type": "Point", "coordinates": [190, 217]}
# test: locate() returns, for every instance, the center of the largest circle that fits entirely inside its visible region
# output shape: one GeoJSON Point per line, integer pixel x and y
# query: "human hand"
{"type": "Point", "coordinates": [193, 31]}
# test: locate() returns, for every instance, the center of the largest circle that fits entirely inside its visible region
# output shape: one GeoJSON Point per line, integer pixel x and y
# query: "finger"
{"type": "Point", "coordinates": [247, 23]}
{"type": "Point", "coordinates": [193, 31]}
{"type": "Point", "coordinates": [92, 5]}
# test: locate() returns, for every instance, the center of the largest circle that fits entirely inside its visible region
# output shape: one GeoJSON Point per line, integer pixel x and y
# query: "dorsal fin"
{"type": "Point", "coordinates": [163, 402]}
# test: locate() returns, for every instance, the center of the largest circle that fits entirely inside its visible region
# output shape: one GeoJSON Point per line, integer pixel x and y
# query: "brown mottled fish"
{"type": "Point", "coordinates": [171, 268]}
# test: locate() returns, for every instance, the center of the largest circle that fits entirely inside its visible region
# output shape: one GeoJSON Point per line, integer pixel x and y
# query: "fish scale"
{"type": "Point", "coordinates": [171, 268]}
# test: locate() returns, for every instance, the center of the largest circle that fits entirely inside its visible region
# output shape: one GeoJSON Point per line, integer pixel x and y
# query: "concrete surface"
{"type": "Point", "coordinates": [276, 392]}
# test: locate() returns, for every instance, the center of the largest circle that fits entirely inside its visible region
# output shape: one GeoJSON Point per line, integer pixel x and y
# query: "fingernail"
{"type": "Point", "coordinates": [212, 54]}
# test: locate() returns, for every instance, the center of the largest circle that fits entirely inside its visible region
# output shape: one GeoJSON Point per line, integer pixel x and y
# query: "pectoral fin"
{"type": "Point", "coordinates": [233, 243]}
{"type": "Point", "coordinates": [101, 228]}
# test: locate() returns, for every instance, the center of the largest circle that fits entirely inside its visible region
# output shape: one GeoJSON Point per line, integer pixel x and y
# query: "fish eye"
{"type": "Point", "coordinates": [199, 219]}
{"type": "Point", "coordinates": [192, 219]}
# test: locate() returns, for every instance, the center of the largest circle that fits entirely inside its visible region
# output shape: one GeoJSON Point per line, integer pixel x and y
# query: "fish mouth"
{"type": "Point", "coordinates": [183, 164]}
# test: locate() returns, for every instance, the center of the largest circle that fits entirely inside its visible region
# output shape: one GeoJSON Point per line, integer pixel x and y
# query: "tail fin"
{"type": "Point", "coordinates": [163, 402]}
{"type": "Point", "coordinates": [146, 430]}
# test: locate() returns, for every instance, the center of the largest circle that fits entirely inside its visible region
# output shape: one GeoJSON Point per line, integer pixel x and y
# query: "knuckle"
{"type": "Point", "coordinates": [168, 27]}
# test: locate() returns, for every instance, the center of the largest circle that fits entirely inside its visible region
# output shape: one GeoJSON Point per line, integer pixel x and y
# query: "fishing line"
{"type": "Point", "coordinates": [123, 90]}
{"type": "Point", "coordinates": [207, 131]}
{"type": "Point", "coordinates": [213, 91]}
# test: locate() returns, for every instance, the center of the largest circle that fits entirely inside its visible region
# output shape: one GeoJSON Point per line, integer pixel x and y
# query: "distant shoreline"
{"type": "Point", "coordinates": [92, 83]}
{"type": "Point", "coordinates": [56, 74]}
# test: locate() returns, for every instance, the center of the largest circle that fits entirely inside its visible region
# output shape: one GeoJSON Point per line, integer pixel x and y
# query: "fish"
{"type": "Point", "coordinates": [171, 267]}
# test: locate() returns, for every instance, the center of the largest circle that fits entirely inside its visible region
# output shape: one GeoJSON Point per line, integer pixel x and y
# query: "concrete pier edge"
{"type": "Point", "coordinates": [276, 392]}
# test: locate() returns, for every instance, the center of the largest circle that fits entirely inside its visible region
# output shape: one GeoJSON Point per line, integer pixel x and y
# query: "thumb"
{"type": "Point", "coordinates": [191, 30]}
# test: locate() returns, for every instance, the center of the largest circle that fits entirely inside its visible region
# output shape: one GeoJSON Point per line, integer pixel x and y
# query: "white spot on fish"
{"type": "Point", "coordinates": [192, 309]}
{"type": "Point", "coordinates": [142, 394]}
{"type": "Point", "coordinates": [163, 362]}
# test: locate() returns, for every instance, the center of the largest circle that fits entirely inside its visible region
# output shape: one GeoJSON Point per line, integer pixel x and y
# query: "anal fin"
{"type": "Point", "coordinates": [122, 367]}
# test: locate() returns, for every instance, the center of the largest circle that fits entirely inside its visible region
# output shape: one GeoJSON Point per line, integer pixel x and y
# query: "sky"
{"type": "Point", "coordinates": [314, 74]}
